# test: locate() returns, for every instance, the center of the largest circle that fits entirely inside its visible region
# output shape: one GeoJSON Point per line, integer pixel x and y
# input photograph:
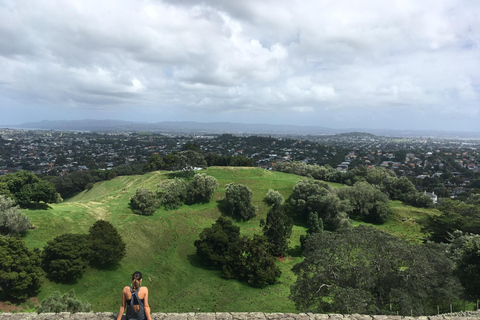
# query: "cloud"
{"type": "Point", "coordinates": [249, 60]}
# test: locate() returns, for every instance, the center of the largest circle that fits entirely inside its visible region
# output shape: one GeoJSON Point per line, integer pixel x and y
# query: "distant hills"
{"type": "Point", "coordinates": [189, 127]}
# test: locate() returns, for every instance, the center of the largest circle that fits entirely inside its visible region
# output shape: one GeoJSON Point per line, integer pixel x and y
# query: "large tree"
{"type": "Point", "coordinates": [238, 200]}
{"type": "Point", "coordinates": [20, 270]}
{"type": "Point", "coordinates": [364, 270]}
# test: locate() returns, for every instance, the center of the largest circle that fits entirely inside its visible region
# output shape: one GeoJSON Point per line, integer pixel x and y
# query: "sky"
{"type": "Point", "coordinates": [407, 64]}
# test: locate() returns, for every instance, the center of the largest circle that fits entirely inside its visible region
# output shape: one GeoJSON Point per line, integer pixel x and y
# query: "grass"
{"type": "Point", "coordinates": [161, 245]}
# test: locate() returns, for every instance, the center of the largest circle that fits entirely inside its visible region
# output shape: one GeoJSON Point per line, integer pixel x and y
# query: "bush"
{"type": "Point", "coordinates": [238, 199]}
{"type": "Point", "coordinates": [144, 202]}
{"type": "Point", "coordinates": [173, 194]}
{"type": "Point", "coordinates": [217, 242]}
{"type": "Point", "coordinates": [57, 303]}
{"type": "Point", "coordinates": [201, 189]}
{"type": "Point", "coordinates": [19, 269]}
{"type": "Point", "coordinates": [66, 257]}
{"type": "Point", "coordinates": [12, 221]}
{"type": "Point", "coordinates": [106, 245]}
{"type": "Point", "coordinates": [252, 262]}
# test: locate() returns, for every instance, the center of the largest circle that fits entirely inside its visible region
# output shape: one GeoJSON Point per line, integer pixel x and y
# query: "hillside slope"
{"type": "Point", "coordinates": [161, 245]}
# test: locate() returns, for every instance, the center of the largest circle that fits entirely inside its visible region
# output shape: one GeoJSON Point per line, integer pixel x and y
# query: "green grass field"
{"type": "Point", "coordinates": [161, 245]}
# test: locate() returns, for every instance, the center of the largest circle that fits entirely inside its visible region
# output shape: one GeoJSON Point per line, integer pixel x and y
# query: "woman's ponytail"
{"type": "Point", "coordinates": [136, 277]}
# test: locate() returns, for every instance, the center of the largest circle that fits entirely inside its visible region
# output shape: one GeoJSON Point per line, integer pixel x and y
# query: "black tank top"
{"type": "Point", "coordinates": [135, 301]}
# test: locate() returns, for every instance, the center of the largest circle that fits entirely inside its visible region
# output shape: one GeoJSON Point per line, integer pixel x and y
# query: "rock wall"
{"type": "Point", "coordinates": [231, 316]}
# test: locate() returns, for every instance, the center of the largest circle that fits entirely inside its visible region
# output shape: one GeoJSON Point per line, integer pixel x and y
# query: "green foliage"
{"type": "Point", "coordinates": [238, 200]}
{"type": "Point", "coordinates": [217, 243]}
{"type": "Point", "coordinates": [278, 226]}
{"type": "Point", "coordinates": [315, 196]}
{"type": "Point", "coordinates": [26, 187]}
{"type": "Point", "coordinates": [66, 257]}
{"type": "Point", "coordinates": [315, 225]}
{"type": "Point", "coordinates": [214, 159]}
{"type": "Point", "coordinates": [107, 247]}
{"type": "Point", "coordinates": [144, 202]}
{"type": "Point", "coordinates": [173, 193]}
{"type": "Point", "coordinates": [367, 202]}
{"type": "Point", "coordinates": [188, 160]}
{"type": "Point", "coordinates": [201, 189]}
{"type": "Point", "coordinates": [364, 270]}
{"type": "Point", "coordinates": [20, 270]}
{"type": "Point", "coordinates": [465, 249]}
{"type": "Point", "coordinates": [274, 198]}
{"type": "Point", "coordinates": [155, 162]}
{"type": "Point", "coordinates": [67, 302]}
{"type": "Point", "coordinates": [417, 199]}
{"type": "Point", "coordinates": [12, 221]}
{"type": "Point", "coordinates": [252, 262]}
{"type": "Point", "coordinates": [455, 215]}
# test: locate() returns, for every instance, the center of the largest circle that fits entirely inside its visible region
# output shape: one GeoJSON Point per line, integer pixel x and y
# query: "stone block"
{"type": "Point", "coordinates": [223, 316]}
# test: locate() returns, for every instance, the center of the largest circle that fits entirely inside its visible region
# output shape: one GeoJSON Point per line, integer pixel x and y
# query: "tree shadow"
{"type": "Point", "coordinates": [295, 251]}
{"type": "Point", "coordinates": [195, 261]}
{"type": "Point", "coordinates": [38, 206]}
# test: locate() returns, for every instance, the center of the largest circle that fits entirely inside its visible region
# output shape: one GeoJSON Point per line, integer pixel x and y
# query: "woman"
{"type": "Point", "coordinates": [135, 298]}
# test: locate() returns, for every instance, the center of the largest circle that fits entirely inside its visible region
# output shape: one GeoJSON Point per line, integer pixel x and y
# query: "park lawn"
{"type": "Point", "coordinates": [161, 245]}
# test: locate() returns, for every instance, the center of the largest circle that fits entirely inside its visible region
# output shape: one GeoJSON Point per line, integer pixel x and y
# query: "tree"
{"type": "Point", "coordinates": [12, 221]}
{"type": "Point", "coordinates": [67, 302]}
{"type": "Point", "coordinates": [201, 188]}
{"type": "Point", "coordinates": [217, 242]}
{"type": "Point", "coordinates": [144, 202]}
{"type": "Point", "coordinates": [315, 225]}
{"type": "Point", "coordinates": [26, 187]}
{"type": "Point", "coordinates": [367, 202]}
{"type": "Point", "coordinates": [106, 245]}
{"type": "Point", "coordinates": [315, 196]}
{"type": "Point", "coordinates": [65, 258]}
{"type": "Point", "coordinates": [155, 162]}
{"type": "Point", "coordinates": [188, 160]}
{"type": "Point", "coordinates": [252, 262]}
{"type": "Point", "coordinates": [238, 200]}
{"type": "Point", "coordinates": [20, 270]}
{"type": "Point", "coordinates": [364, 270]}
{"type": "Point", "coordinates": [172, 193]}
{"type": "Point", "coordinates": [468, 265]}
{"type": "Point", "coordinates": [278, 226]}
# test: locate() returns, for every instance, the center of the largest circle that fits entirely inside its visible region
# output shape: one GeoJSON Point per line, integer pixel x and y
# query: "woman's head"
{"type": "Point", "coordinates": [136, 279]}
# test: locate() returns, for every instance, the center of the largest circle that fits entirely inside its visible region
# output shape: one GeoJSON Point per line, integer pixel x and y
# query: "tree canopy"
{"type": "Point", "coordinates": [12, 221]}
{"type": "Point", "coordinates": [238, 200]}
{"type": "Point", "coordinates": [364, 270]}
{"type": "Point", "coordinates": [20, 269]}
{"type": "Point", "coordinates": [25, 187]}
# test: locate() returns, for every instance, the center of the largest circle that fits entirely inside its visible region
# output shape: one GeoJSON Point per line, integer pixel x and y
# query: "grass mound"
{"type": "Point", "coordinates": [161, 245]}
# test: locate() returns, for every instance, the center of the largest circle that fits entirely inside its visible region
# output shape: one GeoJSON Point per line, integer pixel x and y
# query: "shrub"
{"type": "Point", "coordinates": [57, 303]}
{"type": "Point", "coordinates": [201, 188]}
{"type": "Point", "coordinates": [238, 199]}
{"type": "Point", "coordinates": [173, 194]}
{"type": "Point", "coordinates": [12, 221]}
{"type": "Point", "coordinates": [144, 202]}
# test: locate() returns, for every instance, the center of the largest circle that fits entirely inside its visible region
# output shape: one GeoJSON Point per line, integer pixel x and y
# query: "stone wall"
{"type": "Point", "coordinates": [231, 316]}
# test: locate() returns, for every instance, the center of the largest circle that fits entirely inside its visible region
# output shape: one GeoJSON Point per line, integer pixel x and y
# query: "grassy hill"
{"type": "Point", "coordinates": [161, 245]}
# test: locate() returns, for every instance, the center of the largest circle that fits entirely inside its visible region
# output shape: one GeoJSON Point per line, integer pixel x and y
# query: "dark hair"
{"type": "Point", "coordinates": [136, 277]}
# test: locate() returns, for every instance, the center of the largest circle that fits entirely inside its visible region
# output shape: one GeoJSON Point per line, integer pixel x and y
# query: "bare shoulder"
{"type": "Point", "coordinates": [126, 289]}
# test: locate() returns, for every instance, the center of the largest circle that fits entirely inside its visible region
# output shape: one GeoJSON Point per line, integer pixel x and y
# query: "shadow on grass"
{"type": "Point", "coordinates": [38, 206]}
{"type": "Point", "coordinates": [195, 261]}
{"type": "Point", "coordinates": [295, 252]}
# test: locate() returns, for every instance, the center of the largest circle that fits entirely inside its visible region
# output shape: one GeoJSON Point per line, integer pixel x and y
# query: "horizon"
{"type": "Point", "coordinates": [404, 65]}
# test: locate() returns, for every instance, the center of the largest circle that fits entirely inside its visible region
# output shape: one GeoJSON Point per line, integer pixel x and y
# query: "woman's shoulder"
{"type": "Point", "coordinates": [143, 289]}
{"type": "Point", "coordinates": [126, 289]}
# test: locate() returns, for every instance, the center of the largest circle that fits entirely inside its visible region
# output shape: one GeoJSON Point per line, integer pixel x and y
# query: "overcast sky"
{"type": "Point", "coordinates": [340, 64]}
